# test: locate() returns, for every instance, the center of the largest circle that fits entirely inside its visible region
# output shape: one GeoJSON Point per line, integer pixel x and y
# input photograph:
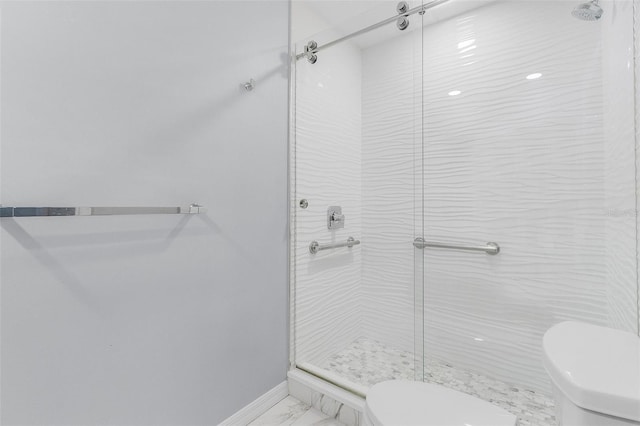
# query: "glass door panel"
{"type": "Point", "coordinates": [528, 143]}
{"type": "Point", "coordinates": [357, 139]}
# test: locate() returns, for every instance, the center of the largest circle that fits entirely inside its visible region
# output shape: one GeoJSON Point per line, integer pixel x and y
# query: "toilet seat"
{"type": "Point", "coordinates": [406, 403]}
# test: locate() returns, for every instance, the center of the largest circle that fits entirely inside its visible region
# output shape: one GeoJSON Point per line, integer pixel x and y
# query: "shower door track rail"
{"type": "Point", "coordinates": [418, 9]}
{"type": "Point", "coordinates": [489, 248]}
{"type": "Point", "coordinates": [96, 211]}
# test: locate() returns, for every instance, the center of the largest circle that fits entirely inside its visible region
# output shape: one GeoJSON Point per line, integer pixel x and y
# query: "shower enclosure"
{"type": "Point", "coordinates": [484, 158]}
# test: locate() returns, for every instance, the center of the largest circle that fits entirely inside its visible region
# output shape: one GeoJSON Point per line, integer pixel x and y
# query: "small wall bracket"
{"type": "Point", "coordinates": [310, 51]}
{"type": "Point", "coordinates": [249, 85]}
{"type": "Point", "coordinates": [403, 21]}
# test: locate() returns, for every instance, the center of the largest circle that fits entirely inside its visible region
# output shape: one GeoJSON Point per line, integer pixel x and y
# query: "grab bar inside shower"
{"type": "Point", "coordinates": [315, 246]}
{"type": "Point", "coordinates": [489, 248]}
{"type": "Point", "coordinates": [96, 211]}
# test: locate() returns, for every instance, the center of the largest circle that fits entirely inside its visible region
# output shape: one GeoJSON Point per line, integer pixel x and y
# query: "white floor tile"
{"type": "Point", "coordinates": [292, 412]}
{"type": "Point", "coordinates": [284, 413]}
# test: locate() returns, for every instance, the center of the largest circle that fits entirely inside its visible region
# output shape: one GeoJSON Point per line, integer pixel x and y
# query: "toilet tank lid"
{"type": "Point", "coordinates": [597, 368]}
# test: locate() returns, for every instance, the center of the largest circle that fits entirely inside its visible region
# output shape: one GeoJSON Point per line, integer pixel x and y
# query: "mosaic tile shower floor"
{"type": "Point", "coordinates": [367, 362]}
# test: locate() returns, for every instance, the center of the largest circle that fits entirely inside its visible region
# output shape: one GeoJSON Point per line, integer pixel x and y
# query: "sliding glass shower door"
{"type": "Point", "coordinates": [356, 162]}
{"type": "Point", "coordinates": [529, 147]}
{"type": "Point", "coordinates": [483, 161]}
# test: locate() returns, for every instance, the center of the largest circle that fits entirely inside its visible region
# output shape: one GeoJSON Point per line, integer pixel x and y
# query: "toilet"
{"type": "Point", "coordinates": [595, 374]}
{"type": "Point", "coordinates": [407, 403]}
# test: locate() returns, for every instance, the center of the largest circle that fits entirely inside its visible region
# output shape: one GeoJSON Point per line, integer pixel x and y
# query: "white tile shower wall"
{"type": "Point", "coordinates": [143, 320]}
{"type": "Point", "coordinates": [328, 173]}
{"type": "Point", "coordinates": [518, 161]}
{"type": "Point", "coordinates": [619, 134]}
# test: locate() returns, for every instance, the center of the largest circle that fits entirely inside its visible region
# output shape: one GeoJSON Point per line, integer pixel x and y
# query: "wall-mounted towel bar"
{"type": "Point", "coordinates": [315, 246]}
{"type": "Point", "coordinates": [96, 211]}
{"type": "Point", "coordinates": [489, 248]}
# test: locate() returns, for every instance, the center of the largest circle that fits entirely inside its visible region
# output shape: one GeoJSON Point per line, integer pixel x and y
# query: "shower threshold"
{"type": "Point", "coordinates": [366, 362]}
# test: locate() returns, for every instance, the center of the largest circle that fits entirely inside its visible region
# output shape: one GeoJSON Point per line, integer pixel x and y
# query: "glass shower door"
{"type": "Point", "coordinates": [356, 150]}
{"type": "Point", "coordinates": [528, 144]}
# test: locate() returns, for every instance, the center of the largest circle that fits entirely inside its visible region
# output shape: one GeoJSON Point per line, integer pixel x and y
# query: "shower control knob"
{"type": "Point", "coordinates": [335, 218]}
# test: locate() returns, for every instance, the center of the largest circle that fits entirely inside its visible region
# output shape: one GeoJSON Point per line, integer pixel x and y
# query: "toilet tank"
{"type": "Point", "coordinates": [595, 372]}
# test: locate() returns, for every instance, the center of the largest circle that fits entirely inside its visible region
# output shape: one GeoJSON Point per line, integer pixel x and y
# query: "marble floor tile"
{"type": "Point", "coordinates": [314, 417]}
{"type": "Point", "coordinates": [284, 413]}
{"type": "Point", "coordinates": [292, 412]}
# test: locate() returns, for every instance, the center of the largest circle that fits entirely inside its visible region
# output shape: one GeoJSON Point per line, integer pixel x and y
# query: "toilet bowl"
{"type": "Point", "coordinates": [595, 374]}
{"type": "Point", "coordinates": [407, 403]}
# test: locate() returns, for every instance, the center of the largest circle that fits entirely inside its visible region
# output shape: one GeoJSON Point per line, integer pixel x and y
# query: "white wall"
{"type": "Point", "coordinates": [149, 319]}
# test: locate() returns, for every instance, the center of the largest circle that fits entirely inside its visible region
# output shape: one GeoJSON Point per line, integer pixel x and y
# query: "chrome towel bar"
{"type": "Point", "coordinates": [315, 246]}
{"type": "Point", "coordinates": [489, 248]}
{"type": "Point", "coordinates": [96, 211]}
